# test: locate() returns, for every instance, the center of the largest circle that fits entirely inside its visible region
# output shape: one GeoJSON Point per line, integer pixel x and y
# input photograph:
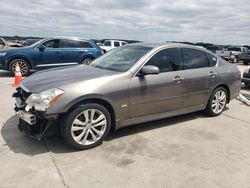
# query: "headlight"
{"type": "Point", "coordinates": [43, 100]}
{"type": "Point", "coordinates": [2, 54]}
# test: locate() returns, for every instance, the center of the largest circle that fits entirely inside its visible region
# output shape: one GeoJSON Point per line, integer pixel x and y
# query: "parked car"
{"type": "Point", "coordinates": [232, 53]}
{"type": "Point", "coordinates": [5, 45]}
{"type": "Point", "coordinates": [244, 56]}
{"type": "Point", "coordinates": [2, 43]}
{"type": "Point", "coordinates": [111, 44]}
{"type": "Point", "coordinates": [214, 48]}
{"type": "Point", "coordinates": [246, 77]}
{"type": "Point", "coordinates": [48, 53]}
{"type": "Point", "coordinates": [29, 42]}
{"type": "Point", "coordinates": [129, 85]}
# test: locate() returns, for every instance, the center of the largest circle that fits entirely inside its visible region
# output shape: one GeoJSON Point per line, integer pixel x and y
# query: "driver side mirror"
{"type": "Point", "coordinates": [42, 48]}
{"type": "Point", "coordinates": [149, 69]}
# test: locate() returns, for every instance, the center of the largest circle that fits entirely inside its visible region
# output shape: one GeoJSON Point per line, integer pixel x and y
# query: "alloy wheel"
{"type": "Point", "coordinates": [23, 67]}
{"type": "Point", "coordinates": [88, 127]}
{"type": "Point", "coordinates": [219, 101]}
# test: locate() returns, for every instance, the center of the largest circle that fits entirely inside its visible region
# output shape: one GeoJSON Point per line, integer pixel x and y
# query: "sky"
{"type": "Point", "coordinates": [213, 21]}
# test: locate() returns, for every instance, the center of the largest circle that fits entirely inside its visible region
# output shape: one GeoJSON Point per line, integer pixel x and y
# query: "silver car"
{"type": "Point", "coordinates": [129, 85]}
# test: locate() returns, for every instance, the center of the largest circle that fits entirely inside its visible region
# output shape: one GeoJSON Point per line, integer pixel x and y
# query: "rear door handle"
{"type": "Point", "coordinates": [178, 79]}
{"type": "Point", "coordinates": [212, 74]}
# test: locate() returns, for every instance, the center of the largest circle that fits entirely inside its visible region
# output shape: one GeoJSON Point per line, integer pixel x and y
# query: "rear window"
{"type": "Point", "coordinates": [107, 43]}
{"type": "Point", "coordinates": [213, 48]}
{"type": "Point", "coordinates": [234, 49]}
{"type": "Point", "coordinates": [194, 58]}
{"type": "Point", "coordinates": [212, 60]}
{"type": "Point", "coordinates": [116, 44]}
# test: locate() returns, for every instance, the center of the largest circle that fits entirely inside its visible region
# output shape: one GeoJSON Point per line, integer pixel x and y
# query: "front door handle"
{"type": "Point", "coordinates": [212, 74]}
{"type": "Point", "coordinates": [178, 79]}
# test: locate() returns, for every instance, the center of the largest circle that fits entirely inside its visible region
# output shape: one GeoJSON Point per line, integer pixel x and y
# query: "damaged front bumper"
{"type": "Point", "coordinates": [34, 123]}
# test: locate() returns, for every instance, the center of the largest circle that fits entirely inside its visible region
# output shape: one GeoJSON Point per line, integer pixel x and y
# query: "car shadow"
{"type": "Point", "coordinates": [17, 142]}
{"type": "Point", "coordinates": [5, 74]}
{"type": "Point", "coordinates": [144, 127]}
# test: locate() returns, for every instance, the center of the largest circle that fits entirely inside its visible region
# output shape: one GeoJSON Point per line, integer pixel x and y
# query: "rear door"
{"type": "Point", "coordinates": [154, 94]}
{"type": "Point", "coordinates": [200, 77]}
{"type": "Point", "coordinates": [75, 51]}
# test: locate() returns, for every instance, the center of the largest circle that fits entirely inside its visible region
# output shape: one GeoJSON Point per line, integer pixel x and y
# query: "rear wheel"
{"type": "Point", "coordinates": [23, 64]}
{"type": "Point", "coordinates": [86, 126]}
{"type": "Point", "coordinates": [87, 61]}
{"type": "Point", "coordinates": [217, 102]}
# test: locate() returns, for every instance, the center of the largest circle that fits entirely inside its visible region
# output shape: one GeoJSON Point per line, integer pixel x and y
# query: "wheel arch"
{"type": "Point", "coordinates": [224, 86]}
{"type": "Point", "coordinates": [102, 102]}
{"type": "Point", "coordinates": [18, 57]}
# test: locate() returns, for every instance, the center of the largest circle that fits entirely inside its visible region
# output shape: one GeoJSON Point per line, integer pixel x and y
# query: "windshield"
{"type": "Point", "coordinates": [121, 59]}
{"type": "Point", "coordinates": [38, 42]}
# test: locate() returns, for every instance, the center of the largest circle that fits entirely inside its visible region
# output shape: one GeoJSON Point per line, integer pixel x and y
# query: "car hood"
{"type": "Point", "coordinates": [59, 77]}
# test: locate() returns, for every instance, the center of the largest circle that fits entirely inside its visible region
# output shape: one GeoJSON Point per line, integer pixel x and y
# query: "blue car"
{"type": "Point", "coordinates": [50, 53]}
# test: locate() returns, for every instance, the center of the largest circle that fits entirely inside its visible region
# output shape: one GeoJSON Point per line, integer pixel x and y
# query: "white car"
{"type": "Point", "coordinates": [111, 44]}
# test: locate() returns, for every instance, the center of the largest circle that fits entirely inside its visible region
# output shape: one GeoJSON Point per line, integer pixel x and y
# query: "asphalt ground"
{"type": "Point", "coordinates": [192, 150]}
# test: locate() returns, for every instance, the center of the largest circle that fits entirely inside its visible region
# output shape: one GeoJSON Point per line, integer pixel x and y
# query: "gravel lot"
{"type": "Point", "coordinates": [185, 151]}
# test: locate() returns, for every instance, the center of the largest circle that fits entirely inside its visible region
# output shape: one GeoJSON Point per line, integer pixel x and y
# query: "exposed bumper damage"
{"type": "Point", "coordinates": [33, 123]}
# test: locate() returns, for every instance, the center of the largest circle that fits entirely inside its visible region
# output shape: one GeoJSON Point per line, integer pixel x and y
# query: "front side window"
{"type": "Point", "coordinates": [166, 60]}
{"type": "Point", "coordinates": [52, 43]}
{"type": "Point", "coordinates": [124, 43]}
{"type": "Point", "coordinates": [116, 44]}
{"type": "Point", "coordinates": [121, 59]}
{"type": "Point", "coordinates": [194, 58]}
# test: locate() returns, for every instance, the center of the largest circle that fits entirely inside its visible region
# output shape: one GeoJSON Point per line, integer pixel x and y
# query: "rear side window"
{"type": "Point", "coordinates": [166, 60]}
{"type": "Point", "coordinates": [194, 58]}
{"type": "Point", "coordinates": [212, 60]}
{"type": "Point", "coordinates": [75, 44]}
{"type": "Point", "coordinates": [116, 44]}
{"type": "Point", "coordinates": [124, 43]}
{"type": "Point", "coordinates": [107, 43]}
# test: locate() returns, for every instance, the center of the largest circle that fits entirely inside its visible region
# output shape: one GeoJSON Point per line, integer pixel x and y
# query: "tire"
{"type": "Point", "coordinates": [24, 66]}
{"type": "Point", "coordinates": [85, 136]}
{"type": "Point", "coordinates": [215, 105]}
{"type": "Point", "coordinates": [245, 62]}
{"type": "Point", "coordinates": [87, 61]}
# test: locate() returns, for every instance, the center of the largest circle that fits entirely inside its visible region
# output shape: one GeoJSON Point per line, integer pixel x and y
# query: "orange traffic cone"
{"type": "Point", "coordinates": [18, 76]}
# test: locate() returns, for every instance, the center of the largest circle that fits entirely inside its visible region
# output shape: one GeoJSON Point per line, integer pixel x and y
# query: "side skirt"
{"type": "Point", "coordinates": [154, 117]}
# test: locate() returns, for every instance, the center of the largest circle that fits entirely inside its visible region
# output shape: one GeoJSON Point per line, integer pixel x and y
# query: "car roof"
{"type": "Point", "coordinates": [160, 45]}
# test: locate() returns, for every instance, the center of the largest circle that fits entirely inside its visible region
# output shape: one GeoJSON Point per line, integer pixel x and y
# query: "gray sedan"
{"type": "Point", "coordinates": [129, 85]}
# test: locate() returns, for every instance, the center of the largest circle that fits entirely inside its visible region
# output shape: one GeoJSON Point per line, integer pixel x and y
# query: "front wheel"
{"type": "Point", "coordinates": [86, 126]}
{"type": "Point", "coordinates": [23, 64]}
{"type": "Point", "coordinates": [217, 102]}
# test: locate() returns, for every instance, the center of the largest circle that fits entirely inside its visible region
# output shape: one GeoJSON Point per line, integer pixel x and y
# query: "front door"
{"type": "Point", "coordinates": [154, 94]}
{"type": "Point", "coordinates": [50, 56]}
